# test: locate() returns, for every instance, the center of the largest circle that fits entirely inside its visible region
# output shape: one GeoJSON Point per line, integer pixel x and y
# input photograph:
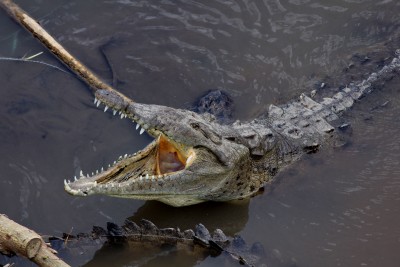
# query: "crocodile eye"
{"type": "Point", "coordinates": [207, 132]}
{"type": "Point", "coordinates": [195, 125]}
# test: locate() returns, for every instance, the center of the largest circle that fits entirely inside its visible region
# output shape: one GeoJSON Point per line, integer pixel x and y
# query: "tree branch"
{"type": "Point", "coordinates": [85, 74]}
{"type": "Point", "coordinates": [17, 239]}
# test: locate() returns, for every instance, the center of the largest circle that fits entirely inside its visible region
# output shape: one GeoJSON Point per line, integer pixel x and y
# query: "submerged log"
{"type": "Point", "coordinates": [17, 239]}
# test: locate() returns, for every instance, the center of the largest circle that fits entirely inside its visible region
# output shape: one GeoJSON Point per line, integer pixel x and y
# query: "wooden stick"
{"type": "Point", "coordinates": [17, 239]}
{"type": "Point", "coordinates": [20, 16]}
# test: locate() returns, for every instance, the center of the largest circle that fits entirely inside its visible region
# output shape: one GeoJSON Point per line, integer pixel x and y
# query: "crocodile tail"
{"type": "Point", "coordinates": [307, 121]}
{"type": "Point", "coordinates": [331, 108]}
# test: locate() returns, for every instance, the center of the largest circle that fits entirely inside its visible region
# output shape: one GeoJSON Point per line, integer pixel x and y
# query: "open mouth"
{"type": "Point", "coordinates": [154, 164]}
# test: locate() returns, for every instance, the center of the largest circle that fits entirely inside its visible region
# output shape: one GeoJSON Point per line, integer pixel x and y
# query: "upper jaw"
{"type": "Point", "coordinates": [177, 124]}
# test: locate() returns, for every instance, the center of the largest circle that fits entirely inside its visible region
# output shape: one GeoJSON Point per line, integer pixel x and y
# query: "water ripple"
{"type": "Point", "coordinates": [274, 7]}
{"type": "Point", "coordinates": [209, 55]}
{"type": "Point", "coordinates": [31, 183]}
{"type": "Point", "coordinates": [329, 8]}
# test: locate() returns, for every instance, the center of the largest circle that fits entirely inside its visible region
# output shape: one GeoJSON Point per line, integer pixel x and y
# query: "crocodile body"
{"type": "Point", "coordinates": [195, 158]}
{"type": "Point", "coordinates": [198, 242]}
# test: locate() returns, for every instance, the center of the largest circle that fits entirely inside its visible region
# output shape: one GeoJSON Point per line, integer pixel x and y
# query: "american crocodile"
{"type": "Point", "coordinates": [199, 242]}
{"type": "Point", "coordinates": [194, 158]}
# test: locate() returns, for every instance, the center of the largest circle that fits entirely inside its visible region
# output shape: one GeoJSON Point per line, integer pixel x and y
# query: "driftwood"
{"type": "Point", "coordinates": [17, 239]}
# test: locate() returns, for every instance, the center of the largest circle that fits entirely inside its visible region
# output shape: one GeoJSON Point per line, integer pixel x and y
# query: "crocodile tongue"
{"type": "Point", "coordinates": [169, 158]}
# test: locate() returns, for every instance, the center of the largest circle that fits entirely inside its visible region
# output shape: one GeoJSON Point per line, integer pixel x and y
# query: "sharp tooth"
{"type": "Point", "coordinates": [95, 100]}
{"type": "Point", "coordinates": [68, 181]}
{"type": "Point", "coordinates": [141, 131]}
{"type": "Point", "coordinates": [95, 183]}
{"type": "Point", "coordinates": [81, 174]}
{"type": "Point", "coordinates": [97, 171]}
{"type": "Point", "coordinates": [102, 169]}
{"type": "Point", "coordinates": [92, 173]}
{"type": "Point", "coordinates": [98, 103]}
{"type": "Point", "coordinates": [120, 112]}
{"type": "Point", "coordinates": [122, 115]}
{"type": "Point", "coordinates": [147, 176]}
{"type": "Point", "coordinates": [114, 112]}
{"type": "Point", "coordinates": [66, 185]}
{"type": "Point", "coordinates": [153, 177]}
{"type": "Point", "coordinates": [87, 175]}
{"type": "Point", "coordinates": [105, 108]}
{"type": "Point", "coordinates": [115, 162]}
{"type": "Point", "coordinates": [141, 178]}
{"type": "Point", "coordinates": [137, 126]}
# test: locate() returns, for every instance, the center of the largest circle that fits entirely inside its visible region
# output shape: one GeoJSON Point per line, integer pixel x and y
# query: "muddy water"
{"type": "Point", "coordinates": [339, 207]}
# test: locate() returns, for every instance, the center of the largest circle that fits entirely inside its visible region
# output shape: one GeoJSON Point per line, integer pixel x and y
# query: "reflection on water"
{"type": "Point", "coordinates": [338, 207]}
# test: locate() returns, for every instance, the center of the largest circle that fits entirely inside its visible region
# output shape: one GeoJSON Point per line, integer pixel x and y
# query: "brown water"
{"type": "Point", "coordinates": [339, 207]}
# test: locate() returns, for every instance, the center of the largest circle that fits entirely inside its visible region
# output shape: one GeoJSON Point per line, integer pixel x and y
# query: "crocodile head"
{"type": "Point", "coordinates": [188, 162]}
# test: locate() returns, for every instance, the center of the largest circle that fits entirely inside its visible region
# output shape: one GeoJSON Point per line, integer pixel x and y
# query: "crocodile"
{"type": "Point", "coordinates": [195, 157]}
{"type": "Point", "coordinates": [199, 242]}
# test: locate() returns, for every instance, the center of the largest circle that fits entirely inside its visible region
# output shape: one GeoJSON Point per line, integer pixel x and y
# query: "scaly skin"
{"type": "Point", "coordinates": [199, 242]}
{"type": "Point", "coordinates": [203, 160]}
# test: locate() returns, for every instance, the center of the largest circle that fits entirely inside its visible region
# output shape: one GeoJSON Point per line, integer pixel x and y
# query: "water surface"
{"type": "Point", "coordinates": [339, 207]}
